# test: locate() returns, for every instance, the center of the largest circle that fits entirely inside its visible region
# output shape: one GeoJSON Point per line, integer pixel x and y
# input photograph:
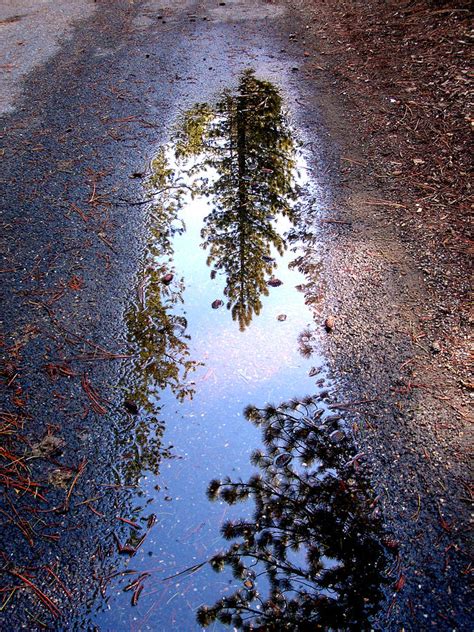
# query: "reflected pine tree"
{"type": "Point", "coordinates": [244, 157]}
{"type": "Point", "coordinates": [240, 153]}
{"type": "Point", "coordinates": [313, 542]}
{"type": "Point", "coordinates": [156, 332]}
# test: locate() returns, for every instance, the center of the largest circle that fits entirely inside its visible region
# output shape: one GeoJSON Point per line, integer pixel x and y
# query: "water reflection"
{"type": "Point", "coordinates": [156, 330]}
{"type": "Point", "coordinates": [313, 542]}
{"type": "Point", "coordinates": [239, 154]}
{"type": "Point", "coordinates": [225, 188]}
{"type": "Point", "coordinates": [153, 323]}
{"type": "Point", "coordinates": [243, 157]}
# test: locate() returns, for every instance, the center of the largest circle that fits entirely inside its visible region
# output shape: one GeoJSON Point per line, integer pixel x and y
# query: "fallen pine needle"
{"type": "Point", "coordinates": [43, 598]}
{"type": "Point", "coordinates": [60, 583]}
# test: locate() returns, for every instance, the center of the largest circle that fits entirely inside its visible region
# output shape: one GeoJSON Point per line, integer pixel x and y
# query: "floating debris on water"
{"type": "Point", "coordinates": [167, 278]}
{"type": "Point", "coordinates": [131, 407]}
{"type": "Point", "coordinates": [274, 282]}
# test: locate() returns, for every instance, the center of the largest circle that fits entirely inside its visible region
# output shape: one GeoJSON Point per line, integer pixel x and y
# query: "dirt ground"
{"type": "Point", "coordinates": [396, 274]}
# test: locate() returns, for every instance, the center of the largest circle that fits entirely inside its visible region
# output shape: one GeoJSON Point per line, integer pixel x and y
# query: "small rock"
{"type": "Point", "coordinates": [274, 282]}
{"type": "Point", "coordinates": [435, 347]}
{"type": "Point", "coordinates": [295, 69]}
{"type": "Point", "coordinates": [337, 436]}
{"type": "Point", "coordinates": [61, 478]}
{"type": "Point", "coordinates": [137, 174]}
{"type": "Point", "coordinates": [9, 370]}
{"type": "Point", "coordinates": [281, 317]}
{"type": "Point", "coordinates": [83, 434]}
{"type": "Point", "coordinates": [329, 323]}
{"type": "Point", "coordinates": [314, 371]}
{"type": "Point", "coordinates": [167, 278]}
{"type": "Point", "coordinates": [48, 446]}
{"type": "Point", "coordinates": [217, 303]}
{"type": "Point", "coordinates": [282, 460]}
{"type": "Point", "coordinates": [391, 543]}
{"type": "Point", "coordinates": [131, 407]}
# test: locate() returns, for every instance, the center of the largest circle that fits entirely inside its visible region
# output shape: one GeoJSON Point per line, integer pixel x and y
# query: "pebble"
{"type": "Point", "coordinates": [274, 282]}
{"type": "Point", "coordinates": [435, 347]}
{"type": "Point", "coordinates": [131, 407]}
{"type": "Point", "coordinates": [329, 323]}
{"type": "Point", "coordinates": [167, 279]}
{"type": "Point", "coordinates": [337, 436]}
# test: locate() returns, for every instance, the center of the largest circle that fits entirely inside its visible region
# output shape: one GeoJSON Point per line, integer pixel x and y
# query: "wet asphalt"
{"type": "Point", "coordinates": [84, 120]}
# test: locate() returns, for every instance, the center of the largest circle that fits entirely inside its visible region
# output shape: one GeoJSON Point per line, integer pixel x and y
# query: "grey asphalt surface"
{"type": "Point", "coordinates": [31, 31]}
{"type": "Point", "coordinates": [87, 99]}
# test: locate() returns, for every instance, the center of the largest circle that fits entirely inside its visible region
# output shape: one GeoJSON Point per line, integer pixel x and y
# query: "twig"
{"type": "Point", "coordinates": [43, 598]}
{"type": "Point", "coordinates": [80, 469]}
{"type": "Point", "coordinates": [190, 570]}
{"type": "Point", "coordinates": [335, 221]}
{"type": "Point", "coordinates": [65, 590]}
{"type": "Point", "coordinates": [383, 203]}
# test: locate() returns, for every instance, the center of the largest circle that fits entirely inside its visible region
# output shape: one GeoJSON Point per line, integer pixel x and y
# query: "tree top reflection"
{"type": "Point", "coordinates": [243, 157]}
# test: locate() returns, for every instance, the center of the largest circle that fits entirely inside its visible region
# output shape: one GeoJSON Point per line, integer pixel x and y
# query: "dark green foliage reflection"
{"type": "Point", "coordinates": [156, 332]}
{"type": "Point", "coordinates": [313, 541]}
{"type": "Point", "coordinates": [244, 161]}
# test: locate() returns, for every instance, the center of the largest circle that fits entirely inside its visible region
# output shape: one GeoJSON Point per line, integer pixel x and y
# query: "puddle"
{"type": "Point", "coordinates": [219, 322]}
